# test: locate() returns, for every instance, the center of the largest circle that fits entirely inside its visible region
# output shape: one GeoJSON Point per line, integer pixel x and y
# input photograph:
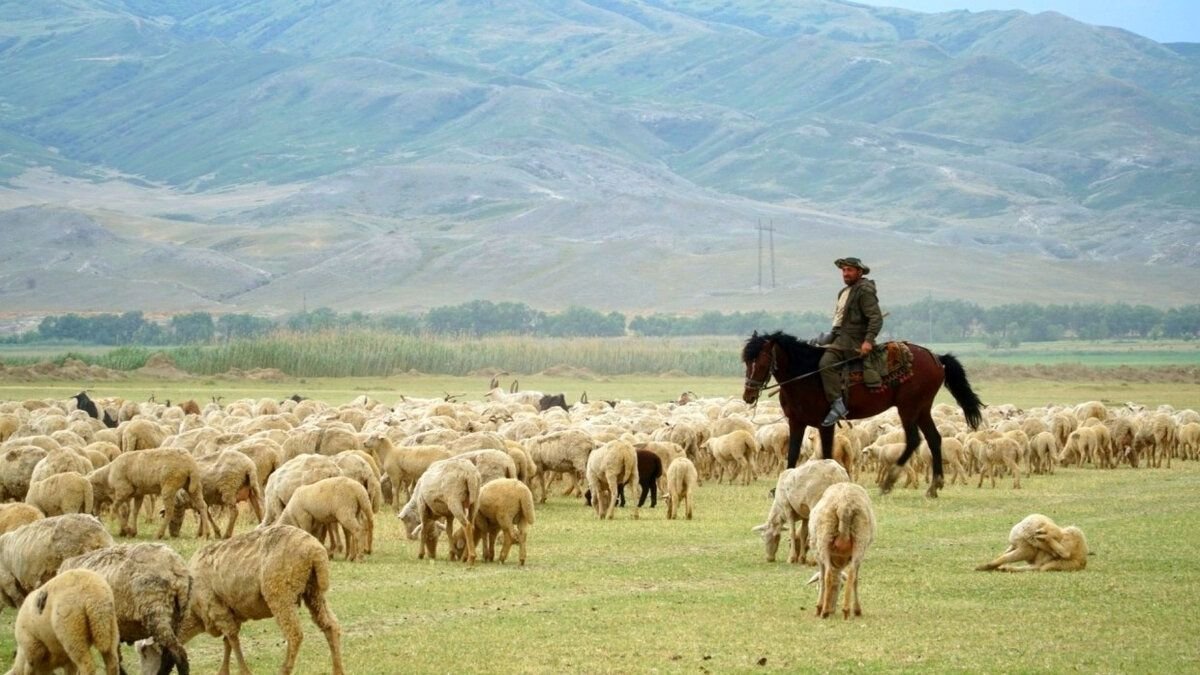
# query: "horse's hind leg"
{"type": "Point", "coordinates": [911, 440]}
{"type": "Point", "coordinates": [933, 439]}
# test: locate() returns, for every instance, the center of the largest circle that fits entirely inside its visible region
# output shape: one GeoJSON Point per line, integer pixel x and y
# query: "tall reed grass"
{"type": "Point", "coordinates": [366, 353]}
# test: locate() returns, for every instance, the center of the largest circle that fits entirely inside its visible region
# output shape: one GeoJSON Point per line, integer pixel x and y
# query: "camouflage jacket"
{"type": "Point", "coordinates": [861, 320]}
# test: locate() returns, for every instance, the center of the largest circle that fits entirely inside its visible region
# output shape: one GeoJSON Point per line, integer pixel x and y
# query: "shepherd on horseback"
{"type": "Point", "coordinates": [857, 321]}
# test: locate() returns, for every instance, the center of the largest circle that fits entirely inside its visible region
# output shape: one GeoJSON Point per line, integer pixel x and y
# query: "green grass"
{"type": "Point", "coordinates": [688, 596]}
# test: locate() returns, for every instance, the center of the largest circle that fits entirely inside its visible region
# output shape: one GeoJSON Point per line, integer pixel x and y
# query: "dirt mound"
{"type": "Point", "coordinates": [162, 366]}
{"type": "Point", "coordinates": [571, 371]}
{"type": "Point", "coordinates": [1074, 372]}
{"type": "Point", "coordinates": [488, 372]}
{"type": "Point", "coordinates": [71, 369]}
{"type": "Point", "coordinates": [260, 374]}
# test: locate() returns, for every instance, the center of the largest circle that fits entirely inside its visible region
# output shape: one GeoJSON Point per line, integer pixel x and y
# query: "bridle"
{"type": "Point", "coordinates": [759, 385]}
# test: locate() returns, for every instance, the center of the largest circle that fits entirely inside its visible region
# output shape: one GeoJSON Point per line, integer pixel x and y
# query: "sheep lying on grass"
{"type": "Point", "coordinates": [60, 622]}
{"type": "Point", "coordinates": [843, 526]}
{"type": "Point", "coordinates": [266, 572]}
{"type": "Point", "coordinates": [681, 485]}
{"type": "Point", "coordinates": [796, 493]}
{"type": "Point", "coordinates": [1044, 545]}
{"type": "Point", "coordinates": [505, 506]}
{"type": "Point", "coordinates": [30, 555]}
{"type": "Point", "coordinates": [151, 587]}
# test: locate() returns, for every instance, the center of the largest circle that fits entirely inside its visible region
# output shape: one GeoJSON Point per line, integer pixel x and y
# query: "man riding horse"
{"type": "Point", "coordinates": [857, 321]}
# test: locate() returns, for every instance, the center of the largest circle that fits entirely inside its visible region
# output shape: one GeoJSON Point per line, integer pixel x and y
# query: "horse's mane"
{"type": "Point", "coordinates": [801, 356]}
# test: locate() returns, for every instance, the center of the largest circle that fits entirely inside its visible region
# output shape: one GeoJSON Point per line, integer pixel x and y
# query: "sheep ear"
{"type": "Point", "coordinates": [759, 528]}
{"type": "Point", "coordinates": [815, 578]}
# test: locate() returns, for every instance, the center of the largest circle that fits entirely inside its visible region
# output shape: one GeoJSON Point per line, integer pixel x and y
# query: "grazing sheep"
{"type": "Point", "coordinates": [360, 466]}
{"type": "Point", "coordinates": [843, 526]}
{"type": "Point", "coordinates": [997, 452]}
{"type": "Point", "coordinates": [403, 465]}
{"type": "Point", "coordinates": [332, 502]}
{"type": "Point", "coordinates": [505, 505]}
{"type": "Point", "coordinates": [448, 489]}
{"type": "Point", "coordinates": [228, 477]}
{"type": "Point", "coordinates": [17, 514]}
{"type": "Point", "coordinates": [141, 434]}
{"type": "Point", "coordinates": [681, 486]}
{"type": "Point", "coordinates": [733, 450]}
{"type": "Point", "coordinates": [565, 451]}
{"type": "Point", "coordinates": [885, 456]}
{"type": "Point", "coordinates": [151, 587]}
{"type": "Point", "coordinates": [266, 572]}
{"type": "Point", "coordinates": [650, 469]}
{"type": "Point", "coordinates": [60, 461]}
{"type": "Point", "coordinates": [61, 493]}
{"type": "Point", "coordinates": [796, 493]}
{"type": "Point", "coordinates": [608, 468]}
{"type": "Point", "coordinates": [297, 471]}
{"type": "Point", "coordinates": [1042, 450]}
{"type": "Point", "coordinates": [492, 464]}
{"type": "Point", "coordinates": [161, 472]}
{"type": "Point", "coordinates": [30, 555]}
{"type": "Point", "coordinates": [267, 456]}
{"type": "Point", "coordinates": [16, 468]}
{"type": "Point", "coordinates": [1044, 545]}
{"type": "Point", "coordinates": [59, 623]}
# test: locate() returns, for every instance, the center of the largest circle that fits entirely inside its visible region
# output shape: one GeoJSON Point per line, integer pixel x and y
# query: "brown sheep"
{"type": "Point", "coordinates": [266, 572]}
{"type": "Point", "coordinates": [151, 587]}
{"type": "Point", "coordinates": [1044, 545]}
{"type": "Point", "coordinates": [60, 622]}
{"type": "Point", "coordinates": [332, 502]}
{"type": "Point", "coordinates": [15, 515]}
{"type": "Point", "coordinates": [505, 506]}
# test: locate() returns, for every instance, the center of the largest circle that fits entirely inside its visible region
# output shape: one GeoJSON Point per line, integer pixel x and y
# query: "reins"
{"type": "Point", "coordinates": [778, 385]}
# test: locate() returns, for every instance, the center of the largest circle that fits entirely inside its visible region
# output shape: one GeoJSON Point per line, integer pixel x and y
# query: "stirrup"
{"type": "Point", "coordinates": [837, 411]}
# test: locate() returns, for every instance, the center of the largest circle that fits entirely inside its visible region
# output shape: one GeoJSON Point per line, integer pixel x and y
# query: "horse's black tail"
{"type": "Point", "coordinates": [956, 382]}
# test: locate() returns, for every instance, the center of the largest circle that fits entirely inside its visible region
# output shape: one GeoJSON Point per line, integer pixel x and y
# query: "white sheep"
{"type": "Point", "coordinates": [297, 471]}
{"type": "Point", "coordinates": [1047, 547]}
{"type": "Point", "coordinates": [61, 493]}
{"type": "Point", "coordinates": [733, 451]}
{"type": "Point", "coordinates": [448, 489]}
{"type": "Point", "coordinates": [681, 487]}
{"type": "Point", "coordinates": [60, 622]}
{"type": "Point", "coordinates": [609, 467]}
{"type": "Point", "coordinates": [565, 451]}
{"type": "Point", "coordinates": [796, 493]}
{"type": "Point", "coordinates": [843, 527]}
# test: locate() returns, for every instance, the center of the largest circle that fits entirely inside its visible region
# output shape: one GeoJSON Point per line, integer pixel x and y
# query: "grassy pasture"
{"type": "Point", "coordinates": [688, 596]}
{"type": "Point", "coordinates": [655, 595]}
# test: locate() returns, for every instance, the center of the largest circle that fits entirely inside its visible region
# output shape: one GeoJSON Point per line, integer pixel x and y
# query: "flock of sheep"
{"type": "Point", "coordinates": [314, 476]}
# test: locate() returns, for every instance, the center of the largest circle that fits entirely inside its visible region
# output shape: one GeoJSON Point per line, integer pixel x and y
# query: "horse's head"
{"type": "Point", "coordinates": [759, 357]}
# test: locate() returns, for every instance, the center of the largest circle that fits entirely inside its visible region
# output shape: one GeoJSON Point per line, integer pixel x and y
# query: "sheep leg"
{"type": "Point", "coordinates": [328, 623]}
{"type": "Point", "coordinates": [1011, 554]}
{"type": "Point", "coordinates": [688, 505]}
{"type": "Point", "coordinates": [135, 513]}
{"type": "Point", "coordinates": [509, 537]}
{"type": "Point", "coordinates": [468, 533]}
{"type": "Point", "coordinates": [233, 515]}
{"type": "Point", "coordinates": [1016, 471]}
{"type": "Point", "coordinates": [289, 624]}
{"type": "Point", "coordinates": [851, 590]}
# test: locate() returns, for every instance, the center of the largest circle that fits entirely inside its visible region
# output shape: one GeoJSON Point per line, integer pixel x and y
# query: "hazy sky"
{"type": "Point", "coordinates": [1160, 20]}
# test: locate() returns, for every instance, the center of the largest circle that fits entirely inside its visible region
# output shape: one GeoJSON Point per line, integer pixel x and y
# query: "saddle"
{"type": "Point", "coordinates": [888, 365]}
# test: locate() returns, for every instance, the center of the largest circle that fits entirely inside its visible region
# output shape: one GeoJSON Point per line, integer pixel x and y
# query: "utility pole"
{"type": "Point", "coordinates": [772, 235]}
{"type": "Point", "coordinates": [760, 233]}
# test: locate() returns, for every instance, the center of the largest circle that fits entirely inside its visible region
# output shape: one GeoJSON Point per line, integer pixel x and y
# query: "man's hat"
{"type": "Point", "coordinates": [852, 262]}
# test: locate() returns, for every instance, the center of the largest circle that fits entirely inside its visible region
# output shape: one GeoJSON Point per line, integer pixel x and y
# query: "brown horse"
{"type": "Point", "coordinates": [794, 365]}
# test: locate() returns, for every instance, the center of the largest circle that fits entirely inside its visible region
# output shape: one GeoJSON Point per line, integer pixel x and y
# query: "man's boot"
{"type": "Point", "coordinates": [837, 411]}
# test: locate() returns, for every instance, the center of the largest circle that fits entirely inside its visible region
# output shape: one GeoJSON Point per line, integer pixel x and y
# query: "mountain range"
{"type": "Point", "coordinates": [272, 155]}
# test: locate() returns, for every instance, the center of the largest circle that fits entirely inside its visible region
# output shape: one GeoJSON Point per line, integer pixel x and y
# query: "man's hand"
{"type": "Point", "coordinates": [865, 348]}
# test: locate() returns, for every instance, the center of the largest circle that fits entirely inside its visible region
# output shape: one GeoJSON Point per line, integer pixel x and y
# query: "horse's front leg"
{"type": "Point", "coordinates": [795, 438]}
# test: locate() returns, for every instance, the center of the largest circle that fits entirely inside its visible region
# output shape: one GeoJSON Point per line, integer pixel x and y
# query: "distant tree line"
{"type": "Point", "coordinates": [929, 320]}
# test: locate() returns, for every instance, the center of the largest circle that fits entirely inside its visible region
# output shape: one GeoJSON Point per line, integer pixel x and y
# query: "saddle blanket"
{"type": "Point", "coordinates": [892, 360]}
